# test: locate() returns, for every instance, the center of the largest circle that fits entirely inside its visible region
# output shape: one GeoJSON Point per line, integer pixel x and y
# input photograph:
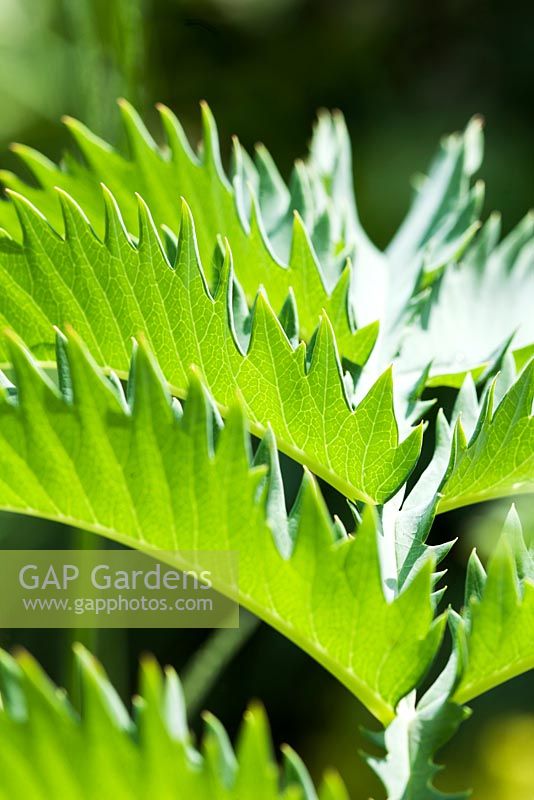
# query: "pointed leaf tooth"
{"type": "Point", "coordinates": [257, 233]}
{"type": "Point", "coordinates": [31, 381]}
{"type": "Point", "coordinates": [273, 488]}
{"type": "Point", "coordinates": [118, 390]}
{"type": "Point", "coordinates": [303, 254]}
{"type": "Point", "coordinates": [340, 309]}
{"type": "Point", "coordinates": [289, 318]}
{"type": "Point", "coordinates": [379, 402]}
{"type": "Point", "coordinates": [502, 573]}
{"type": "Point", "coordinates": [88, 142]}
{"type": "Point", "coordinates": [362, 565]}
{"type": "Point", "coordinates": [273, 194]}
{"type": "Point", "coordinates": [301, 197]}
{"type": "Point", "coordinates": [355, 512]}
{"type": "Point", "coordinates": [115, 234]}
{"type": "Point", "coordinates": [139, 139]}
{"type": "Point", "coordinates": [41, 167]}
{"type": "Point", "coordinates": [210, 145]}
{"type": "Point", "coordinates": [177, 140]}
{"type": "Point", "coordinates": [475, 578]}
{"type": "Point", "coordinates": [90, 389]}
{"type": "Point", "coordinates": [324, 357]}
{"type": "Point", "coordinates": [239, 315]}
{"type": "Point", "coordinates": [437, 576]}
{"type": "Point", "coordinates": [37, 233]}
{"type": "Point", "coordinates": [148, 394]}
{"type": "Point", "coordinates": [170, 241]}
{"type": "Point", "coordinates": [233, 444]}
{"type": "Point", "coordinates": [466, 405]}
{"type": "Point", "coordinates": [506, 377]}
{"type": "Point", "coordinates": [438, 595]}
{"type": "Point", "coordinates": [227, 290]}
{"type": "Point", "coordinates": [12, 696]}
{"type": "Point", "coordinates": [322, 237]}
{"type": "Point", "coordinates": [441, 550]}
{"type": "Point", "coordinates": [201, 417]}
{"type": "Point", "coordinates": [254, 754]}
{"type": "Point", "coordinates": [75, 221]}
{"type": "Point", "coordinates": [218, 751]}
{"type": "Point", "coordinates": [296, 773]}
{"type": "Point", "coordinates": [150, 699]}
{"type": "Point", "coordinates": [237, 158]}
{"type": "Point", "coordinates": [99, 698]}
{"type": "Point", "coordinates": [43, 698]}
{"type": "Point", "coordinates": [474, 144]}
{"type": "Point", "coordinates": [265, 326]}
{"type": "Point", "coordinates": [309, 505]}
{"type": "Point", "coordinates": [240, 183]}
{"type": "Point", "coordinates": [174, 709]}
{"type": "Point", "coordinates": [187, 264]}
{"type": "Point", "coordinates": [149, 238]}
{"type": "Point", "coordinates": [339, 530]}
{"type": "Point", "coordinates": [221, 270]}
{"type": "Point", "coordinates": [519, 396]}
{"type": "Point", "coordinates": [513, 534]}
{"type": "Point", "coordinates": [244, 180]}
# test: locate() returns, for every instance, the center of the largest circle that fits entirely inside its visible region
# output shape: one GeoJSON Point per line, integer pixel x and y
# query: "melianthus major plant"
{"type": "Point", "coordinates": [268, 310]}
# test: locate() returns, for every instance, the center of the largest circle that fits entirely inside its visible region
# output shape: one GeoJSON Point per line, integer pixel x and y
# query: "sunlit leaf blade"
{"type": "Point", "coordinates": [484, 452]}
{"type": "Point", "coordinates": [294, 237]}
{"type": "Point", "coordinates": [495, 636]}
{"type": "Point", "coordinates": [143, 474]}
{"type": "Point", "coordinates": [162, 176]}
{"type": "Point", "coordinates": [492, 446]}
{"type": "Point", "coordinates": [113, 289]}
{"type": "Point", "coordinates": [49, 749]}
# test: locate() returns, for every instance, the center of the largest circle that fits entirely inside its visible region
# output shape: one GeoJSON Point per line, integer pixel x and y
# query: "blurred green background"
{"type": "Point", "coordinates": [403, 73]}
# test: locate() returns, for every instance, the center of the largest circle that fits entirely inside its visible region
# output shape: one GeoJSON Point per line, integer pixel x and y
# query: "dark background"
{"type": "Point", "coordinates": [403, 73]}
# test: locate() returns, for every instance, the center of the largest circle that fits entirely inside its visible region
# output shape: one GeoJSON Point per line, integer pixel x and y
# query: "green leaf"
{"type": "Point", "coordinates": [476, 306]}
{"type": "Point", "coordinates": [484, 453]}
{"type": "Point", "coordinates": [163, 175]}
{"type": "Point", "coordinates": [141, 473]}
{"type": "Point", "coordinates": [50, 749]}
{"type": "Point", "coordinates": [293, 238]}
{"type": "Point", "coordinates": [496, 633]}
{"type": "Point", "coordinates": [492, 449]}
{"type": "Point", "coordinates": [481, 455]}
{"type": "Point", "coordinates": [111, 290]}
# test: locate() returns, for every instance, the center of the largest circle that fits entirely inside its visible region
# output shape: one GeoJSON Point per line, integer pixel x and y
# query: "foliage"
{"type": "Point", "coordinates": [52, 749]}
{"type": "Point", "coordinates": [179, 481]}
{"type": "Point", "coordinates": [321, 346]}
